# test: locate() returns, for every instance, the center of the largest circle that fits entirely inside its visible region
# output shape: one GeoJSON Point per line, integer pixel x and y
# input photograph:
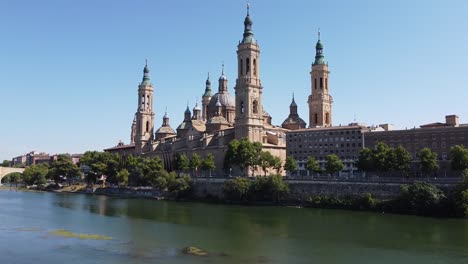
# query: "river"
{"type": "Point", "coordinates": [150, 231]}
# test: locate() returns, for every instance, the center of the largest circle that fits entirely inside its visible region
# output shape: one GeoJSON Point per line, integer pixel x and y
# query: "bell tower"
{"type": "Point", "coordinates": [144, 133]}
{"type": "Point", "coordinates": [320, 101]}
{"type": "Point", "coordinates": [249, 112]}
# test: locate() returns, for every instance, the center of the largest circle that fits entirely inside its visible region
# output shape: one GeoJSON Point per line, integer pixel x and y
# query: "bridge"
{"type": "Point", "coordinates": [4, 171]}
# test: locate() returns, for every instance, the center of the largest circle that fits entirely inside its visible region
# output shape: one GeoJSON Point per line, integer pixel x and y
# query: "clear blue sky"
{"type": "Point", "coordinates": [69, 69]}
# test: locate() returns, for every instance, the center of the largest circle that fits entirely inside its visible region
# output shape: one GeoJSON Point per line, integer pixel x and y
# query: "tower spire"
{"type": "Point", "coordinates": [248, 33]}
{"type": "Point", "coordinates": [319, 58]}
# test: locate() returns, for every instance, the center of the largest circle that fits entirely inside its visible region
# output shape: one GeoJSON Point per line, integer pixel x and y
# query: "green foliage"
{"type": "Point", "coordinates": [237, 189]}
{"type": "Point", "coordinates": [312, 165]}
{"type": "Point", "coordinates": [181, 162]}
{"type": "Point", "coordinates": [63, 167]}
{"type": "Point", "coordinates": [122, 177]}
{"type": "Point", "coordinates": [401, 159]}
{"type": "Point", "coordinates": [276, 164]}
{"type": "Point", "coordinates": [465, 176]}
{"type": "Point", "coordinates": [290, 165]}
{"type": "Point", "coordinates": [243, 154]}
{"type": "Point", "coordinates": [5, 163]}
{"type": "Point", "coordinates": [428, 161]}
{"type": "Point", "coordinates": [384, 158]}
{"type": "Point", "coordinates": [35, 174]}
{"type": "Point", "coordinates": [462, 203]}
{"type": "Point", "coordinates": [208, 164]}
{"type": "Point", "coordinates": [459, 158]}
{"type": "Point", "coordinates": [422, 198]}
{"type": "Point", "coordinates": [266, 161]}
{"type": "Point", "coordinates": [366, 160]}
{"type": "Point", "coordinates": [195, 163]}
{"type": "Point", "coordinates": [333, 164]}
{"type": "Point", "coordinates": [269, 189]}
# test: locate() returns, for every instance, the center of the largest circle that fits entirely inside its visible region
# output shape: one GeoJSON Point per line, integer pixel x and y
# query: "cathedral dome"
{"type": "Point", "coordinates": [225, 99]}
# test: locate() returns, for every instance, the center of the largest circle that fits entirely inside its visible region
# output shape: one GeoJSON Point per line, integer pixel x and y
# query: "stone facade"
{"type": "Point", "coordinates": [344, 141]}
{"type": "Point", "coordinates": [221, 119]}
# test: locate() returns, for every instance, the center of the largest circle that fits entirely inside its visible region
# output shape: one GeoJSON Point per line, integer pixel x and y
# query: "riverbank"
{"type": "Point", "coordinates": [416, 199]}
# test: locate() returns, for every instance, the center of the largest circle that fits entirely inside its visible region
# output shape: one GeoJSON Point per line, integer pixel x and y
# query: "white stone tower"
{"type": "Point", "coordinates": [320, 101]}
{"type": "Point", "coordinates": [144, 133]}
{"type": "Point", "coordinates": [249, 110]}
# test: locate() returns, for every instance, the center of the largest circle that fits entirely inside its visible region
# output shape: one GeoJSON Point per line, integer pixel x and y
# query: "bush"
{"type": "Point", "coordinates": [422, 198]}
{"type": "Point", "coordinates": [237, 189]}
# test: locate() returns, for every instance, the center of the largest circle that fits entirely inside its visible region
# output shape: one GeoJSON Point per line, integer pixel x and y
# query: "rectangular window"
{"type": "Point", "coordinates": [321, 82]}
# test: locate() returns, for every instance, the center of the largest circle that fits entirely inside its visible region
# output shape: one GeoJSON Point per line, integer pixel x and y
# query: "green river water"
{"type": "Point", "coordinates": [150, 231]}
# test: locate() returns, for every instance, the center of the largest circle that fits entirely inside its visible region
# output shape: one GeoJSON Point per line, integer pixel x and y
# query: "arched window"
{"type": "Point", "coordinates": [326, 83]}
{"type": "Point", "coordinates": [147, 126]}
{"type": "Point", "coordinates": [241, 67]}
{"type": "Point", "coordinates": [327, 118]}
{"type": "Point", "coordinates": [315, 83]}
{"type": "Point", "coordinates": [147, 101]}
{"type": "Point", "coordinates": [316, 119]}
{"type": "Point", "coordinates": [247, 66]}
{"type": "Point", "coordinates": [242, 107]}
{"type": "Point", "coordinates": [255, 67]}
{"type": "Point", "coordinates": [255, 107]}
{"type": "Point", "coordinates": [321, 82]}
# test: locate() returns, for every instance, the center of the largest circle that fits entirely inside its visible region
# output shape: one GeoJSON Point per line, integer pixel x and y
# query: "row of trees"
{"type": "Point", "coordinates": [384, 159]}
{"type": "Point", "coordinates": [134, 171]}
{"type": "Point", "coordinates": [333, 165]}
{"type": "Point", "coordinates": [182, 164]}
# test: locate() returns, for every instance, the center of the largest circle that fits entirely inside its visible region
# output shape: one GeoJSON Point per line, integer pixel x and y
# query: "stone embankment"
{"type": "Point", "coordinates": [301, 189]}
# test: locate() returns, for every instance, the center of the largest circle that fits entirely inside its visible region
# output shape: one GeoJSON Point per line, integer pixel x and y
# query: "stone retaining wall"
{"type": "Point", "coordinates": [300, 190]}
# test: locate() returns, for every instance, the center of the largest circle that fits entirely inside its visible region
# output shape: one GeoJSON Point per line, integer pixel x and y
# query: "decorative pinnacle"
{"type": "Point", "coordinates": [248, 7]}
{"type": "Point", "coordinates": [208, 76]}
{"type": "Point", "coordinates": [222, 71]}
{"type": "Point", "coordinates": [319, 34]}
{"type": "Point", "coordinates": [146, 62]}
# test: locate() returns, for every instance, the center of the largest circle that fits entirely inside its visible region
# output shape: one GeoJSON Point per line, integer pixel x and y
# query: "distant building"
{"type": "Point", "coordinates": [439, 137]}
{"type": "Point", "coordinates": [34, 157]}
{"type": "Point", "coordinates": [20, 160]}
{"type": "Point", "coordinates": [343, 141]}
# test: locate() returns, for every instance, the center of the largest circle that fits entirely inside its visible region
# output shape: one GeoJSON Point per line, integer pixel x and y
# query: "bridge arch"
{"type": "Point", "coordinates": [4, 171]}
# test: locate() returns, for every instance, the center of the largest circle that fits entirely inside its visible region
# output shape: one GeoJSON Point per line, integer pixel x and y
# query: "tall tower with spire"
{"type": "Point", "coordinates": [249, 110]}
{"type": "Point", "coordinates": [144, 133]}
{"type": "Point", "coordinates": [206, 99]}
{"type": "Point", "coordinates": [320, 101]}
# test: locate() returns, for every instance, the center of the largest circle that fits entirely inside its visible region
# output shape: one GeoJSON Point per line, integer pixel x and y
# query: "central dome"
{"type": "Point", "coordinates": [225, 99]}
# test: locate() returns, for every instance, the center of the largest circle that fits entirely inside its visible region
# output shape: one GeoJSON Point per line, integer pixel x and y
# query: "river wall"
{"type": "Point", "coordinates": [301, 190]}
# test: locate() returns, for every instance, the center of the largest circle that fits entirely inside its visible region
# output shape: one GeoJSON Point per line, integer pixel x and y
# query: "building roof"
{"type": "Point", "coordinates": [129, 146]}
{"type": "Point", "coordinates": [224, 98]}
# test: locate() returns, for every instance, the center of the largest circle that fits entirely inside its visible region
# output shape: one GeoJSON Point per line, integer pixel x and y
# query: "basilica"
{"type": "Point", "coordinates": [223, 117]}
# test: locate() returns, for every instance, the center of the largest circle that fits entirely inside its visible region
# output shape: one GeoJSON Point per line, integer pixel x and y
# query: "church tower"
{"type": "Point", "coordinates": [320, 101]}
{"type": "Point", "coordinates": [144, 133]}
{"type": "Point", "coordinates": [249, 111]}
{"type": "Point", "coordinates": [206, 99]}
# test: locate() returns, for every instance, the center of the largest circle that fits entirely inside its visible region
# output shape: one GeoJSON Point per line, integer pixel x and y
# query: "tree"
{"type": "Point", "coordinates": [237, 189]}
{"type": "Point", "coordinates": [276, 164]}
{"type": "Point", "coordinates": [428, 161]}
{"type": "Point", "coordinates": [5, 163]}
{"type": "Point", "coordinates": [230, 159]}
{"type": "Point", "coordinates": [290, 165]}
{"type": "Point", "coordinates": [35, 174]}
{"type": "Point", "coordinates": [248, 154]}
{"type": "Point", "coordinates": [96, 163]}
{"type": "Point", "coordinates": [333, 164]}
{"type": "Point", "coordinates": [459, 158]}
{"type": "Point", "coordinates": [266, 161]}
{"type": "Point", "coordinates": [63, 167]}
{"type": "Point", "coordinates": [312, 165]}
{"type": "Point", "coordinates": [422, 198]}
{"type": "Point", "coordinates": [208, 164]}
{"type": "Point", "coordinates": [195, 163]}
{"type": "Point", "coordinates": [382, 156]}
{"type": "Point", "coordinates": [122, 177]}
{"type": "Point", "coordinates": [181, 163]}
{"type": "Point", "coordinates": [366, 160]}
{"type": "Point", "coordinates": [400, 159]}
{"type": "Point", "coordinates": [13, 177]}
